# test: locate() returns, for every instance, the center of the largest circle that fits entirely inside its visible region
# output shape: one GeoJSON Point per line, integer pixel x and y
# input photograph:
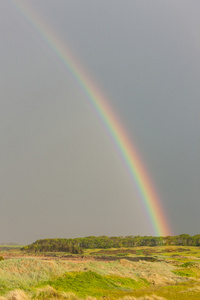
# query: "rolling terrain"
{"type": "Point", "coordinates": [160, 272]}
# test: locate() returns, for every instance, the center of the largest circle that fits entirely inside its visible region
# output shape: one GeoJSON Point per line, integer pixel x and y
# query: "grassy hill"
{"type": "Point", "coordinates": [174, 273]}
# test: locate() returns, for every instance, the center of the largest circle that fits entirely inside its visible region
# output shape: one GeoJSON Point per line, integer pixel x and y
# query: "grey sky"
{"type": "Point", "coordinates": [60, 174]}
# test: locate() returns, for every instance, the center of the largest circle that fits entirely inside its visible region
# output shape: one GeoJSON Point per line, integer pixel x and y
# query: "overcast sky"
{"type": "Point", "coordinates": [60, 174]}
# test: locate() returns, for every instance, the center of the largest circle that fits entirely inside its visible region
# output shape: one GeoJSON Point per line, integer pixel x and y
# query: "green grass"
{"type": "Point", "coordinates": [26, 273]}
{"type": "Point", "coordinates": [187, 264]}
{"type": "Point", "coordinates": [176, 277]}
{"type": "Point", "coordinates": [92, 284]}
{"type": "Point", "coordinates": [185, 273]}
{"type": "Point", "coordinates": [139, 252]}
{"type": "Point", "coordinates": [174, 292]}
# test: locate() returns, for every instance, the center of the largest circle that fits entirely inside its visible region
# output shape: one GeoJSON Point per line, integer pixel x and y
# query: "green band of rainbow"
{"type": "Point", "coordinates": [133, 162]}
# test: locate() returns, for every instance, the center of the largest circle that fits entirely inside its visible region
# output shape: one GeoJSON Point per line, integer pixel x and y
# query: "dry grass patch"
{"type": "Point", "coordinates": [49, 293]}
{"type": "Point", "coordinates": [16, 295]}
{"type": "Point", "coordinates": [156, 273]}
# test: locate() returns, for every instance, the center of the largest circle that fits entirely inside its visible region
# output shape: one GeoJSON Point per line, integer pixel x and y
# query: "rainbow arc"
{"type": "Point", "coordinates": [135, 167]}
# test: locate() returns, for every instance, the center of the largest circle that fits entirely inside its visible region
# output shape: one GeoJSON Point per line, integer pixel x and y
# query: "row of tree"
{"type": "Point", "coordinates": [76, 246]}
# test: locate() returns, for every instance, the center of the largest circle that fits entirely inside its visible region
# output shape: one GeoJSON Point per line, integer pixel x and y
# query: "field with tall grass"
{"type": "Point", "coordinates": [161, 272]}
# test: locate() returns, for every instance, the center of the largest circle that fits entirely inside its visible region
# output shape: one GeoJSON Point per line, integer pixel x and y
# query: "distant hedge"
{"type": "Point", "coordinates": [76, 246]}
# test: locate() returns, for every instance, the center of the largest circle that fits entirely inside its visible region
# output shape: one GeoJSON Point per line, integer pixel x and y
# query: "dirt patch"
{"type": "Point", "coordinates": [115, 252]}
{"type": "Point", "coordinates": [114, 258]}
{"type": "Point", "coordinates": [171, 250]}
{"type": "Point", "coordinates": [81, 257]}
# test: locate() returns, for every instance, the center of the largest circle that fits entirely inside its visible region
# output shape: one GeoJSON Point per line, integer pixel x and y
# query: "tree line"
{"type": "Point", "coordinates": [76, 245]}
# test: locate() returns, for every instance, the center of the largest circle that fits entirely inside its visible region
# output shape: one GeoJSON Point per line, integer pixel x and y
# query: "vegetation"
{"type": "Point", "coordinates": [172, 273]}
{"type": "Point", "coordinates": [76, 246]}
{"type": "Point", "coordinates": [96, 285]}
{"type": "Point", "coordinates": [54, 245]}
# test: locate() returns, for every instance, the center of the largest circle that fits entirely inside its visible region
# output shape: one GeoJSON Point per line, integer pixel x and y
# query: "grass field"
{"type": "Point", "coordinates": [173, 273]}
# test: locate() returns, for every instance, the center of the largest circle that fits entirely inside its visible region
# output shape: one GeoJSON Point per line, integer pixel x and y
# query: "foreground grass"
{"type": "Point", "coordinates": [175, 276]}
{"type": "Point", "coordinates": [92, 284]}
{"type": "Point", "coordinates": [26, 273]}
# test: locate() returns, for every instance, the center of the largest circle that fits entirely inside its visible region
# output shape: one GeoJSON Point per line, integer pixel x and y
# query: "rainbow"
{"type": "Point", "coordinates": [113, 125]}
